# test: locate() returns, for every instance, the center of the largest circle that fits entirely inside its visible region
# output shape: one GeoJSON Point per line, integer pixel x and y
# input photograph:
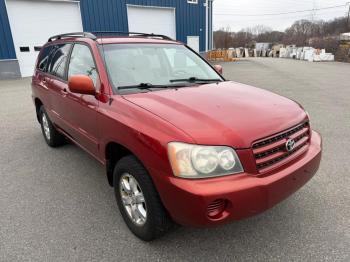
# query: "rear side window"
{"type": "Point", "coordinates": [82, 63]}
{"type": "Point", "coordinates": [44, 58]}
{"type": "Point", "coordinates": [58, 60]}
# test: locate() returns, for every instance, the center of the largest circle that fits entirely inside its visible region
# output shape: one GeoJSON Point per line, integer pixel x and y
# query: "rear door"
{"type": "Point", "coordinates": [41, 80]}
{"type": "Point", "coordinates": [80, 111]}
{"type": "Point", "coordinates": [56, 69]}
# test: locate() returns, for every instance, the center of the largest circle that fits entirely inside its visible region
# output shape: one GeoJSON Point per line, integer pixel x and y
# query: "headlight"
{"type": "Point", "coordinates": [194, 161]}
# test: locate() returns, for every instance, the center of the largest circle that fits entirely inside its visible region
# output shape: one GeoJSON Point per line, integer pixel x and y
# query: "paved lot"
{"type": "Point", "coordinates": [55, 204]}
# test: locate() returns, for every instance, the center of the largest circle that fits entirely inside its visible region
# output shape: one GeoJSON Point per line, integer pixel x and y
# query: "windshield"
{"type": "Point", "coordinates": [155, 64]}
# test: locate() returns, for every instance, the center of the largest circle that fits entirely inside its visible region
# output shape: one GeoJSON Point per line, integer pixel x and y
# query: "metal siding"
{"type": "Point", "coordinates": [111, 15]}
{"type": "Point", "coordinates": [7, 49]}
{"type": "Point", "coordinates": [104, 15]}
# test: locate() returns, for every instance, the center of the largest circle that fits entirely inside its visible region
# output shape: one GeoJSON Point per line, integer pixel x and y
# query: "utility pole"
{"type": "Point", "coordinates": [348, 22]}
{"type": "Point", "coordinates": [313, 12]}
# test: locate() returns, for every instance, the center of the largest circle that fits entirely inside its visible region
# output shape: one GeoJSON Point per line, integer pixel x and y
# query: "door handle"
{"type": "Point", "coordinates": [44, 83]}
{"type": "Point", "coordinates": [64, 91]}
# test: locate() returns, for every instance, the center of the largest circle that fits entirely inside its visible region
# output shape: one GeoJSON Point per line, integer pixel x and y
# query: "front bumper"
{"type": "Point", "coordinates": [246, 194]}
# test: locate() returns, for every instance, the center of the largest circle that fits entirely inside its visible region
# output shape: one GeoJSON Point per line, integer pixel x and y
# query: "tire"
{"type": "Point", "coordinates": [157, 221]}
{"type": "Point", "coordinates": [52, 137]}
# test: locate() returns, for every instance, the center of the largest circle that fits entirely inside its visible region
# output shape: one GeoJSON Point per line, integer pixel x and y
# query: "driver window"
{"type": "Point", "coordinates": [82, 63]}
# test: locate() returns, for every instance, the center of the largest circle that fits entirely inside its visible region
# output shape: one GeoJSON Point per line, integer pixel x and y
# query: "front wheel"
{"type": "Point", "coordinates": [138, 200]}
{"type": "Point", "coordinates": [52, 137]}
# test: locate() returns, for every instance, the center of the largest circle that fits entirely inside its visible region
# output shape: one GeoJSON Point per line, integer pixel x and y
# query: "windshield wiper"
{"type": "Point", "coordinates": [142, 86]}
{"type": "Point", "coordinates": [195, 80]}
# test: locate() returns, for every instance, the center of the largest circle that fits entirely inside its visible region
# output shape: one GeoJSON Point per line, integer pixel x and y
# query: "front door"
{"type": "Point", "coordinates": [80, 111]}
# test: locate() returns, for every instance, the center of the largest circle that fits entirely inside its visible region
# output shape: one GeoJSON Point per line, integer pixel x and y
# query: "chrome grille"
{"type": "Point", "coordinates": [271, 152]}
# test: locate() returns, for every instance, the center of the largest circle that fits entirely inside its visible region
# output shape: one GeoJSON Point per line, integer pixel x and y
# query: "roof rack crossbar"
{"type": "Point", "coordinates": [75, 34]}
{"type": "Point", "coordinates": [132, 34]}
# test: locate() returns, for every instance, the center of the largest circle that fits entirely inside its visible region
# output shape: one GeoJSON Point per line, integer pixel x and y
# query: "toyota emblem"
{"type": "Point", "coordinates": [290, 145]}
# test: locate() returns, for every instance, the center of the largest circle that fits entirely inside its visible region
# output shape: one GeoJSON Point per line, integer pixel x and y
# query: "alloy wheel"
{"type": "Point", "coordinates": [46, 126]}
{"type": "Point", "coordinates": [133, 199]}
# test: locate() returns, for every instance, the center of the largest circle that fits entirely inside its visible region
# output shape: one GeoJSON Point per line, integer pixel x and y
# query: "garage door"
{"type": "Point", "coordinates": [152, 20]}
{"type": "Point", "coordinates": [33, 22]}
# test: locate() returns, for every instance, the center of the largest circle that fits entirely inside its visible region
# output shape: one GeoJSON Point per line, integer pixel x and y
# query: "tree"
{"type": "Point", "coordinates": [258, 30]}
{"type": "Point", "coordinates": [299, 33]}
{"type": "Point", "coordinates": [319, 34]}
{"type": "Point", "coordinates": [242, 39]}
{"type": "Point", "coordinates": [273, 37]}
{"type": "Point", "coordinates": [223, 38]}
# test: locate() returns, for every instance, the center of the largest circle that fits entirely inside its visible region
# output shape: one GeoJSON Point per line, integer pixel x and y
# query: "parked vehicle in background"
{"type": "Point", "coordinates": [179, 142]}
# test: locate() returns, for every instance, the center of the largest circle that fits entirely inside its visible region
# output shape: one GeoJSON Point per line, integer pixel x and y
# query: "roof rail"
{"type": "Point", "coordinates": [113, 33]}
{"type": "Point", "coordinates": [76, 34]}
{"type": "Point", "coordinates": [92, 35]}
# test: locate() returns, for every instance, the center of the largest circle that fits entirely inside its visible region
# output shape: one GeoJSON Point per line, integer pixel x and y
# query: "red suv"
{"type": "Point", "coordinates": [179, 142]}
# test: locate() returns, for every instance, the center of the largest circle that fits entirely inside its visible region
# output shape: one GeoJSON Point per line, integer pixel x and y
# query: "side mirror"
{"type": "Point", "coordinates": [218, 68]}
{"type": "Point", "coordinates": [81, 84]}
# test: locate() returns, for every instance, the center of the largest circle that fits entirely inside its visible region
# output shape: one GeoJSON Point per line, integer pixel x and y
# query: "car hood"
{"type": "Point", "coordinates": [226, 113]}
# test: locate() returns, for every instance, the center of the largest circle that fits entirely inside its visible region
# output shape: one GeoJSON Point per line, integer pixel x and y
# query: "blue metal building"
{"type": "Point", "coordinates": [26, 24]}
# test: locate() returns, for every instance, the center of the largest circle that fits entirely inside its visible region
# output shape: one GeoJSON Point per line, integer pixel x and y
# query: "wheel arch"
{"type": "Point", "coordinates": [38, 104]}
{"type": "Point", "coordinates": [113, 153]}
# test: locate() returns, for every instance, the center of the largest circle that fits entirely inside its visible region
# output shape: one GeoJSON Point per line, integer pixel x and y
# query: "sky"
{"type": "Point", "coordinates": [238, 14]}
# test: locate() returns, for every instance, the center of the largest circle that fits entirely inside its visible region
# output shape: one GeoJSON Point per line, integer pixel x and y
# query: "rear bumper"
{"type": "Point", "coordinates": [247, 195]}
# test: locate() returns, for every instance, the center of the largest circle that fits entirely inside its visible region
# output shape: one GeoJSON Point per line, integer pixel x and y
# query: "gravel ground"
{"type": "Point", "coordinates": [56, 205]}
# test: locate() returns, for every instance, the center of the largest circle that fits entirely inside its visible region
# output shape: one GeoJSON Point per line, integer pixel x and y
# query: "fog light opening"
{"type": "Point", "coordinates": [216, 208]}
